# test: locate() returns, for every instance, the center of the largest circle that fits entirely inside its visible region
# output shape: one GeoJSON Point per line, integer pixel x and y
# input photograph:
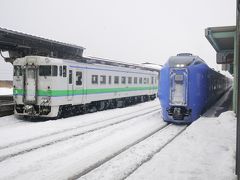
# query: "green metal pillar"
{"type": "Point", "coordinates": [235, 75]}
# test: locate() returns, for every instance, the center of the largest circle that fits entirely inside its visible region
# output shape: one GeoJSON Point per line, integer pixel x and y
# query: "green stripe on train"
{"type": "Point", "coordinates": [83, 91]}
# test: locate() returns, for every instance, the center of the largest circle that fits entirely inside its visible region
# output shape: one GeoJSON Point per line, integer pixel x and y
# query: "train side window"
{"type": "Point", "coordinates": [116, 79]}
{"type": "Point", "coordinates": [17, 71]}
{"type": "Point", "coordinates": [70, 77]}
{"type": "Point", "coordinates": [54, 70]}
{"type": "Point", "coordinates": [123, 80]}
{"type": "Point", "coordinates": [129, 80]}
{"type": "Point", "coordinates": [78, 78]}
{"type": "Point", "coordinates": [60, 70]}
{"type": "Point", "coordinates": [94, 79]}
{"type": "Point", "coordinates": [140, 80]}
{"type": "Point", "coordinates": [135, 80]}
{"type": "Point", "coordinates": [45, 70]}
{"type": "Point", "coordinates": [102, 79]}
{"type": "Point", "coordinates": [64, 71]}
{"type": "Point", "coordinates": [110, 79]}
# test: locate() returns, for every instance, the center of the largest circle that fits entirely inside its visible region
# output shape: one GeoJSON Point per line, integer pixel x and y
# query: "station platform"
{"type": "Point", "coordinates": [222, 105]}
{"type": "Point", "coordinates": [206, 150]}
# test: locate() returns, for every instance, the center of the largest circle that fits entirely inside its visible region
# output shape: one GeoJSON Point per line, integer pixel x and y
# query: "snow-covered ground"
{"type": "Point", "coordinates": [132, 143]}
{"type": "Point", "coordinates": [206, 150]}
{"type": "Point", "coordinates": [6, 91]}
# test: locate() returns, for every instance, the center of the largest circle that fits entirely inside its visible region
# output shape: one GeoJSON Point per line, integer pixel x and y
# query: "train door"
{"type": "Point", "coordinates": [79, 88]}
{"type": "Point", "coordinates": [70, 85]}
{"type": "Point", "coordinates": [179, 86]}
{"type": "Point", "coordinates": [30, 84]}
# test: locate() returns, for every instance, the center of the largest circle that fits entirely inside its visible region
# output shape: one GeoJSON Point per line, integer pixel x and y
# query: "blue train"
{"type": "Point", "coordinates": [187, 87]}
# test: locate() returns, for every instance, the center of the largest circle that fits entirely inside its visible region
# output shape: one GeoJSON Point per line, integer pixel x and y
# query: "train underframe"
{"type": "Point", "coordinates": [71, 110]}
{"type": "Point", "coordinates": [178, 112]}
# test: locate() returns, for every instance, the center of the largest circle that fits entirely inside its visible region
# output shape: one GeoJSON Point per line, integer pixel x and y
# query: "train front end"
{"type": "Point", "coordinates": [174, 101]}
{"type": "Point", "coordinates": [174, 90]}
{"type": "Point", "coordinates": [32, 92]}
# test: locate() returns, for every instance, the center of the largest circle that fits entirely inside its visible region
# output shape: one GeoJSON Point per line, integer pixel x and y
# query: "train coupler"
{"type": "Point", "coordinates": [178, 112]}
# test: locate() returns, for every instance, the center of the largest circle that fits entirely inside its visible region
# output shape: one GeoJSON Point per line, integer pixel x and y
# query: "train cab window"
{"type": "Point", "coordinates": [151, 80]}
{"type": "Point", "coordinates": [178, 78]}
{"type": "Point", "coordinates": [129, 80]}
{"type": "Point", "coordinates": [64, 71]}
{"type": "Point", "coordinates": [94, 79]}
{"type": "Point", "coordinates": [135, 80]}
{"type": "Point", "coordinates": [78, 78]}
{"type": "Point", "coordinates": [70, 77]}
{"type": "Point", "coordinates": [31, 73]}
{"type": "Point", "coordinates": [54, 70]}
{"type": "Point", "coordinates": [17, 71]}
{"type": "Point", "coordinates": [60, 71]}
{"type": "Point", "coordinates": [102, 79]}
{"type": "Point", "coordinates": [116, 79]}
{"type": "Point", "coordinates": [45, 70]}
{"type": "Point", "coordinates": [110, 79]}
{"type": "Point", "coordinates": [140, 80]}
{"type": "Point", "coordinates": [123, 81]}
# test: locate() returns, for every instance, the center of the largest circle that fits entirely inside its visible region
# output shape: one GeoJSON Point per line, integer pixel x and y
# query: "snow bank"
{"type": "Point", "coordinates": [6, 91]}
{"type": "Point", "coordinates": [206, 150]}
{"type": "Point", "coordinates": [227, 74]}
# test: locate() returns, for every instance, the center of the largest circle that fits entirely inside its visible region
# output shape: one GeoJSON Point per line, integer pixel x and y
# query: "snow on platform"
{"type": "Point", "coordinates": [206, 150]}
{"type": "Point", "coordinates": [6, 91]}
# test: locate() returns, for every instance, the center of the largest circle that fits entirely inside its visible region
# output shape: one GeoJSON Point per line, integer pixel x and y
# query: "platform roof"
{"type": "Point", "coordinates": [221, 38]}
{"type": "Point", "coordinates": [20, 44]}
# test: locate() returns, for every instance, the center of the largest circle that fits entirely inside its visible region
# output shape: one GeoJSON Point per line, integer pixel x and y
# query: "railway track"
{"type": "Point", "coordinates": [161, 137]}
{"type": "Point", "coordinates": [89, 160]}
{"type": "Point", "coordinates": [6, 105]}
{"type": "Point", "coordinates": [28, 145]}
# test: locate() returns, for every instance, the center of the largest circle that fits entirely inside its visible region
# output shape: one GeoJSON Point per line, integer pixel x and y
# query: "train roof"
{"type": "Point", "coordinates": [103, 61]}
{"type": "Point", "coordinates": [184, 59]}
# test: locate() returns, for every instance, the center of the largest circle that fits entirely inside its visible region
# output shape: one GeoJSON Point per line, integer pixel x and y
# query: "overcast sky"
{"type": "Point", "coordinates": [132, 31]}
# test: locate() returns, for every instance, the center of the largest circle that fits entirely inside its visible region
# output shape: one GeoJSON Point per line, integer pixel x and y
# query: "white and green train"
{"type": "Point", "coordinates": [50, 87]}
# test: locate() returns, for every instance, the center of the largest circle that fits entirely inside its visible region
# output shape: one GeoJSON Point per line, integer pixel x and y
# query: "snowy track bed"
{"type": "Point", "coordinates": [68, 159]}
{"type": "Point", "coordinates": [21, 147]}
{"type": "Point", "coordinates": [77, 147]}
{"type": "Point", "coordinates": [25, 131]}
{"type": "Point", "coordinates": [121, 166]}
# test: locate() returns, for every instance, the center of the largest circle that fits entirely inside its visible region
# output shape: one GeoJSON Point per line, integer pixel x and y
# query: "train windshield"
{"type": "Point", "coordinates": [180, 62]}
{"type": "Point", "coordinates": [48, 70]}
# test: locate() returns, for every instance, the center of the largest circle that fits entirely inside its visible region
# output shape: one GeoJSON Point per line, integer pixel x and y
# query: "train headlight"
{"type": "Point", "coordinates": [179, 65]}
{"type": "Point", "coordinates": [46, 100]}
